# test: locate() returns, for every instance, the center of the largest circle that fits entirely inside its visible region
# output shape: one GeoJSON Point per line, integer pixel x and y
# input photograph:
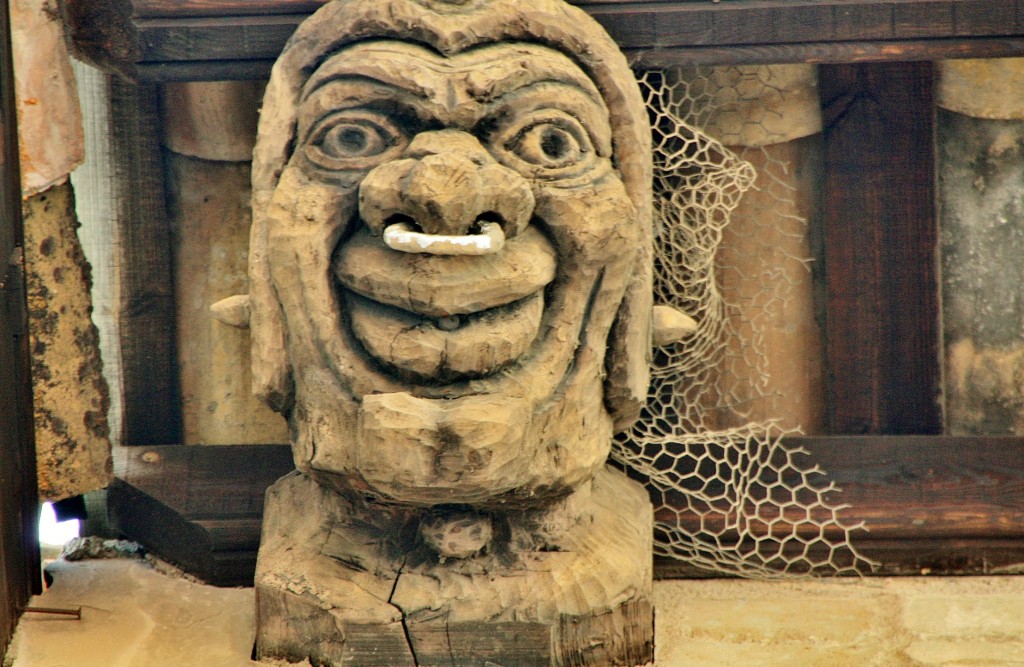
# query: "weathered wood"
{"type": "Point", "coordinates": [882, 305]}
{"type": "Point", "coordinates": [812, 52]}
{"type": "Point", "coordinates": [134, 37]}
{"type": "Point", "coordinates": [939, 505]}
{"type": "Point", "coordinates": [943, 505]}
{"type": "Point", "coordinates": [199, 507]}
{"type": "Point", "coordinates": [151, 402]}
{"type": "Point", "coordinates": [19, 545]}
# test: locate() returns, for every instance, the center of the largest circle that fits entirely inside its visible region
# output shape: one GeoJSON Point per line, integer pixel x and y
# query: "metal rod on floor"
{"type": "Point", "coordinates": [77, 613]}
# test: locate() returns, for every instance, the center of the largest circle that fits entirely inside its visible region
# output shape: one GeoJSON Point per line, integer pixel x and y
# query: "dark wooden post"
{"type": "Point", "coordinates": [880, 235]}
{"type": "Point", "coordinates": [19, 543]}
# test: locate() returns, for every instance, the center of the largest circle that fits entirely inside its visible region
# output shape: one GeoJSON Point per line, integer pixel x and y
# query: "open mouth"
{"type": "Point", "coordinates": [443, 318]}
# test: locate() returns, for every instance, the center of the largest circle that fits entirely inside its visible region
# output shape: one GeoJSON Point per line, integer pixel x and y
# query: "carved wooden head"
{"type": "Point", "coordinates": [450, 256]}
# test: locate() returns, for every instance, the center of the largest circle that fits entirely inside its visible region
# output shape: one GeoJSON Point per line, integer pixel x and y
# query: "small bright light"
{"type": "Point", "coordinates": [53, 533]}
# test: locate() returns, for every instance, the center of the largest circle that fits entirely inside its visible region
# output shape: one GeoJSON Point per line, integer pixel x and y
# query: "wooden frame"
{"type": "Point", "coordinates": [931, 504]}
{"type": "Point", "coordinates": [165, 40]}
{"type": "Point", "coordinates": [19, 543]}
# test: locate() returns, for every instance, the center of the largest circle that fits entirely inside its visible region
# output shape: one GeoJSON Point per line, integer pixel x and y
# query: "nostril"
{"type": "Point", "coordinates": [401, 219]}
{"type": "Point", "coordinates": [490, 216]}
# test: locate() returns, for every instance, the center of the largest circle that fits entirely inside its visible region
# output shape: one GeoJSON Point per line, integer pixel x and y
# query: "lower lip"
{"type": "Point", "coordinates": [450, 348]}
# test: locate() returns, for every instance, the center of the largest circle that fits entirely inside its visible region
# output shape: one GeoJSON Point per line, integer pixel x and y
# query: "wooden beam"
{"type": "Point", "coordinates": [126, 35]}
{"type": "Point", "coordinates": [199, 507]}
{"type": "Point", "coordinates": [145, 312]}
{"type": "Point", "coordinates": [938, 505]}
{"type": "Point", "coordinates": [882, 331]}
{"type": "Point", "coordinates": [931, 505]}
{"type": "Point", "coordinates": [19, 543]}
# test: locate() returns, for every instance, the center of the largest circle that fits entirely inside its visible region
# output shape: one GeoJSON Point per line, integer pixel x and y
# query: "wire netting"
{"type": "Point", "coordinates": [730, 495]}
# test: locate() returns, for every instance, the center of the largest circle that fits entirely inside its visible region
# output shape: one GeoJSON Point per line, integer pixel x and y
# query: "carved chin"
{"type": "Point", "coordinates": [443, 318]}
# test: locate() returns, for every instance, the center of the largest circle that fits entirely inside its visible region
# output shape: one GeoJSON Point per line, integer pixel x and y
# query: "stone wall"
{"type": "Point", "coordinates": [981, 215]}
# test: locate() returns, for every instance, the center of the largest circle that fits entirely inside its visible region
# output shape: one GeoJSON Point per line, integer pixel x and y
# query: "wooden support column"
{"type": "Point", "coordinates": [152, 405]}
{"type": "Point", "coordinates": [880, 237]}
{"type": "Point", "coordinates": [770, 116]}
{"type": "Point", "coordinates": [19, 545]}
{"type": "Point", "coordinates": [208, 131]}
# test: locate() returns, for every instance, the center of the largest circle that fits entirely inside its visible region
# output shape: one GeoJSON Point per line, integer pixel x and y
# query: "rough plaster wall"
{"type": "Point", "coordinates": [981, 208]}
{"type": "Point", "coordinates": [70, 393]}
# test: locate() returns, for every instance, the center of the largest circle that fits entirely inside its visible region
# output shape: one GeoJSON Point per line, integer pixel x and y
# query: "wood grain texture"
{"type": "Point", "coordinates": [19, 546]}
{"type": "Point", "coordinates": [938, 505]}
{"type": "Point", "coordinates": [199, 507]}
{"type": "Point", "coordinates": [943, 505]}
{"type": "Point", "coordinates": [132, 37]}
{"type": "Point", "coordinates": [152, 406]}
{"type": "Point", "coordinates": [880, 236]}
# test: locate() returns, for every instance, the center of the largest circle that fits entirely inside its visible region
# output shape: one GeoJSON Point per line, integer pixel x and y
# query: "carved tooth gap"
{"type": "Point", "coordinates": [490, 216]}
{"type": "Point", "coordinates": [401, 218]}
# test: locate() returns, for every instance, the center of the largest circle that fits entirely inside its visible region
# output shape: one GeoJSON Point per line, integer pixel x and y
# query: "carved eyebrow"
{"type": "Point", "coordinates": [490, 84]}
{"type": "Point", "coordinates": [372, 74]}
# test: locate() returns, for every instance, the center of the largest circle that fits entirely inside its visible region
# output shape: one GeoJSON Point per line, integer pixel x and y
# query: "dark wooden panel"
{"type": "Point", "coordinates": [931, 505]}
{"type": "Point", "coordinates": [984, 17]}
{"type": "Point", "coordinates": [122, 35]}
{"type": "Point", "coordinates": [923, 19]}
{"type": "Point", "coordinates": [19, 544]}
{"type": "Point", "coordinates": [214, 38]}
{"type": "Point", "coordinates": [199, 507]}
{"type": "Point", "coordinates": [832, 52]}
{"type": "Point", "coordinates": [880, 234]}
{"type": "Point", "coordinates": [858, 22]}
{"type": "Point", "coordinates": [152, 404]}
{"type": "Point", "coordinates": [937, 504]}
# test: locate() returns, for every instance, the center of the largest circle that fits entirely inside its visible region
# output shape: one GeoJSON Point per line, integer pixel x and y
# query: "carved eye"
{"type": "Point", "coordinates": [548, 145]}
{"type": "Point", "coordinates": [353, 140]}
{"type": "Point", "coordinates": [552, 143]}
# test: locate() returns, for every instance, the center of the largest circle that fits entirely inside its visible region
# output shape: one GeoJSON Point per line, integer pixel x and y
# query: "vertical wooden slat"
{"type": "Point", "coordinates": [19, 544]}
{"type": "Point", "coordinates": [152, 405]}
{"type": "Point", "coordinates": [880, 235]}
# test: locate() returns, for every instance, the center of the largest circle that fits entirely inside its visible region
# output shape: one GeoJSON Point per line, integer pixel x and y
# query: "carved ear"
{"type": "Point", "coordinates": [628, 360]}
{"type": "Point", "coordinates": [272, 380]}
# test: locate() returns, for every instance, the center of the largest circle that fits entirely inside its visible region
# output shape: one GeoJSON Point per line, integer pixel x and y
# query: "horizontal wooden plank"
{"type": "Point", "coordinates": [831, 52]}
{"type": "Point", "coordinates": [252, 70]}
{"type": "Point", "coordinates": [637, 27]}
{"type": "Point", "coordinates": [190, 33]}
{"type": "Point", "coordinates": [944, 505]}
{"type": "Point", "coordinates": [204, 482]}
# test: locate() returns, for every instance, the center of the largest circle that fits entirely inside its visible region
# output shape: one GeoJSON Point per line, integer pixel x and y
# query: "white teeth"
{"type": "Point", "coordinates": [401, 236]}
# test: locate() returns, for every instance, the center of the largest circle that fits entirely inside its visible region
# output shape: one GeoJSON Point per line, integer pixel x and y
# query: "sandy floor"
{"type": "Point", "coordinates": [136, 616]}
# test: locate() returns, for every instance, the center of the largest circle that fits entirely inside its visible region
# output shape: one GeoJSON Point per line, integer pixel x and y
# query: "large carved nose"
{"type": "Point", "coordinates": [447, 196]}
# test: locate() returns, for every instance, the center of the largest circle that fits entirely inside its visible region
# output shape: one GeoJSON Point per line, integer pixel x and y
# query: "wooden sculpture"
{"type": "Point", "coordinates": [450, 301]}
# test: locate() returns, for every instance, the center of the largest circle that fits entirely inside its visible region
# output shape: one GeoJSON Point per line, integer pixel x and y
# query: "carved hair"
{"type": "Point", "coordinates": [449, 27]}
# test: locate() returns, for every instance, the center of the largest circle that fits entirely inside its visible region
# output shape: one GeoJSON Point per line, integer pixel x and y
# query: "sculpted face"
{"type": "Point", "coordinates": [450, 243]}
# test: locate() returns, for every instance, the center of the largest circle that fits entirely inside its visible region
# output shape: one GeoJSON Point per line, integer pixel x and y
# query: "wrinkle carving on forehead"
{"type": "Point", "coordinates": [487, 71]}
{"type": "Point", "coordinates": [456, 90]}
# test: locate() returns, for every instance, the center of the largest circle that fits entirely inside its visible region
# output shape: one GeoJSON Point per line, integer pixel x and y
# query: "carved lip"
{"type": "Point", "coordinates": [438, 286]}
{"type": "Point", "coordinates": [463, 347]}
{"type": "Point", "coordinates": [436, 317]}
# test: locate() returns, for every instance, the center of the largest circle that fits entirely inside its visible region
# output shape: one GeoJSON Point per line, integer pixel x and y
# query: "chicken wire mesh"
{"type": "Point", "coordinates": [730, 496]}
